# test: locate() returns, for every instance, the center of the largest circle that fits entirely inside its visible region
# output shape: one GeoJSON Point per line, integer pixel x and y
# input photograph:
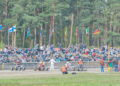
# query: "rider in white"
{"type": "Point", "coordinates": [52, 61]}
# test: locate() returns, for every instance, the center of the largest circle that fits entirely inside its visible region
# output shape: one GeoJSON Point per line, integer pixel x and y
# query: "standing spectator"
{"type": "Point", "coordinates": [102, 65]}
{"type": "Point", "coordinates": [80, 64]}
{"type": "Point", "coordinates": [116, 65]}
{"type": "Point", "coordinates": [119, 65]}
{"type": "Point", "coordinates": [64, 70]}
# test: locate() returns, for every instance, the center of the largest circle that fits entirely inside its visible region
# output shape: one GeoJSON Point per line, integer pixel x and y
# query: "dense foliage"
{"type": "Point", "coordinates": [45, 15]}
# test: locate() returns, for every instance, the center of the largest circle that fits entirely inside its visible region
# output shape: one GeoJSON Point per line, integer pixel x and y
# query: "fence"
{"type": "Point", "coordinates": [31, 66]}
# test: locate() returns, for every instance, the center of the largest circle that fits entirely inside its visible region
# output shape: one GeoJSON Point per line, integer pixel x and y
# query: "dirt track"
{"type": "Point", "coordinates": [28, 73]}
{"type": "Point", "coordinates": [41, 73]}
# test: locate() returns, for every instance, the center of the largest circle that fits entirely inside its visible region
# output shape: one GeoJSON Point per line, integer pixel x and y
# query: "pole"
{"type": "Point", "coordinates": [23, 38]}
{"type": "Point", "coordinates": [53, 5]}
{"type": "Point", "coordinates": [53, 32]}
{"type": "Point", "coordinates": [35, 36]}
{"type": "Point", "coordinates": [88, 40]}
{"type": "Point", "coordinates": [108, 52]}
{"type": "Point", "coordinates": [76, 40]}
{"type": "Point", "coordinates": [12, 39]}
{"type": "Point", "coordinates": [76, 36]}
{"type": "Point", "coordinates": [41, 35]}
{"type": "Point", "coordinates": [29, 41]}
{"type": "Point", "coordinates": [71, 33]}
{"type": "Point", "coordinates": [65, 43]}
{"type": "Point", "coordinates": [54, 38]}
{"type": "Point", "coordinates": [8, 38]}
{"type": "Point", "coordinates": [98, 42]}
{"type": "Point", "coordinates": [1, 39]}
{"type": "Point", "coordinates": [15, 38]}
{"type": "Point", "coordinates": [66, 39]}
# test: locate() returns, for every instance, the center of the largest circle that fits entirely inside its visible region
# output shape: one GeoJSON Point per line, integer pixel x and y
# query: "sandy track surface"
{"type": "Point", "coordinates": [28, 73]}
{"type": "Point", "coordinates": [41, 73]}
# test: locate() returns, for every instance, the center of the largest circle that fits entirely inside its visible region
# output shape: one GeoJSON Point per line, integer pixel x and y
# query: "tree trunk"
{"type": "Point", "coordinates": [105, 34]}
{"type": "Point", "coordinates": [45, 35]}
{"type": "Point", "coordinates": [6, 16]}
{"type": "Point", "coordinates": [54, 31]}
{"type": "Point", "coordinates": [8, 38]}
{"type": "Point", "coordinates": [50, 33]}
{"type": "Point", "coordinates": [23, 39]}
{"type": "Point", "coordinates": [1, 17]}
{"type": "Point", "coordinates": [0, 20]}
{"type": "Point", "coordinates": [72, 19]}
{"type": "Point", "coordinates": [35, 36]}
{"type": "Point", "coordinates": [111, 20]}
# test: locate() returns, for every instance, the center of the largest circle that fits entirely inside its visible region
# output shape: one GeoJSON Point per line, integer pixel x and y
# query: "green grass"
{"type": "Point", "coordinates": [82, 79]}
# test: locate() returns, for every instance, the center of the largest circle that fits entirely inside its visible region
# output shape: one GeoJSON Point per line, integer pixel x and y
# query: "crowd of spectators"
{"type": "Point", "coordinates": [74, 53]}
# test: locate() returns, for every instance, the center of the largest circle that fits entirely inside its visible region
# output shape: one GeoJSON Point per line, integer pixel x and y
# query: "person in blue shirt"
{"type": "Point", "coordinates": [116, 65]}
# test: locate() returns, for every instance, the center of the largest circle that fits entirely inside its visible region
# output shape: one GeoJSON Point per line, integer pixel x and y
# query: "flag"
{"type": "Point", "coordinates": [10, 30]}
{"type": "Point", "coordinates": [96, 32]}
{"type": "Point", "coordinates": [14, 28]}
{"type": "Point", "coordinates": [87, 30]}
{"type": "Point", "coordinates": [110, 64]}
{"type": "Point", "coordinates": [0, 27]}
{"type": "Point", "coordinates": [76, 33]}
{"type": "Point", "coordinates": [41, 33]}
{"type": "Point", "coordinates": [28, 32]}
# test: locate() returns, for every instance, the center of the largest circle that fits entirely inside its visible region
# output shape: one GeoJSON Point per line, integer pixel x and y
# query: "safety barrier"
{"type": "Point", "coordinates": [30, 66]}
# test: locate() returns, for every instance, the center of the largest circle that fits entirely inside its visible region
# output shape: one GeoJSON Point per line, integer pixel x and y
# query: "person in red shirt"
{"type": "Point", "coordinates": [86, 53]}
{"type": "Point", "coordinates": [94, 54]}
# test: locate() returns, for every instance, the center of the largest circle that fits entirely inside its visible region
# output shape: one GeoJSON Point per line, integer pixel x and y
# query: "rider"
{"type": "Point", "coordinates": [80, 64]}
{"type": "Point", "coordinates": [41, 65]}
